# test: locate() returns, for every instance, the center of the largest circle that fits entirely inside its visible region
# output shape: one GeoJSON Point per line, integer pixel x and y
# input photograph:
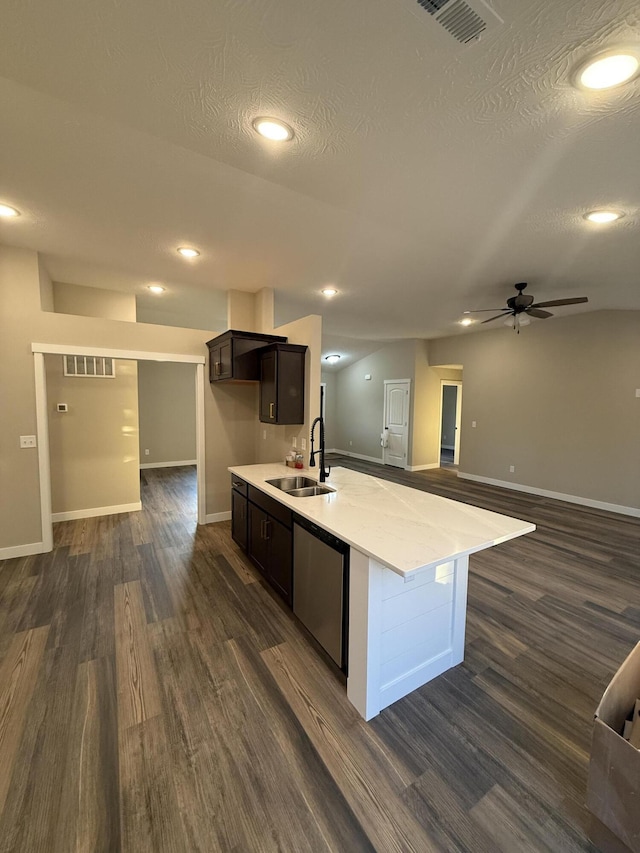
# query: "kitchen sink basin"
{"type": "Point", "coordinates": [287, 484]}
{"type": "Point", "coordinates": [310, 491]}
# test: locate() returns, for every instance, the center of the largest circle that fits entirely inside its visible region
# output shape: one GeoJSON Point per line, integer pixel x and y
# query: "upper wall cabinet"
{"type": "Point", "coordinates": [235, 355]}
{"type": "Point", "coordinates": [282, 384]}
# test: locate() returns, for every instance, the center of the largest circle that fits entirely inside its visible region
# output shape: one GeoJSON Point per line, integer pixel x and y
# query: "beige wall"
{"type": "Point", "coordinates": [167, 410]}
{"type": "Point", "coordinates": [330, 408]}
{"type": "Point", "coordinates": [23, 323]}
{"type": "Point", "coordinates": [557, 401]}
{"type": "Point", "coordinates": [360, 402]}
{"type": "Point", "coordinates": [93, 446]}
{"type": "Point", "coordinates": [93, 302]}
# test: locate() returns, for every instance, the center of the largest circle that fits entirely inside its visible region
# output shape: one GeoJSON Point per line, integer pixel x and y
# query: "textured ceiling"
{"type": "Point", "coordinates": [425, 177]}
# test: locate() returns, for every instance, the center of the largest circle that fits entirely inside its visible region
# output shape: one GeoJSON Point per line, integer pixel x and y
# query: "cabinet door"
{"type": "Point", "coordinates": [258, 543]}
{"type": "Point", "coordinates": [214, 363]}
{"type": "Point", "coordinates": [280, 567]}
{"type": "Point", "coordinates": [226, 364]}
{"type": "Point", "coordinates": [239, 507]}
{"type": "Point", "coordinates": [290, 386]}
{"type": "Point", "coordinates": [268, 408]}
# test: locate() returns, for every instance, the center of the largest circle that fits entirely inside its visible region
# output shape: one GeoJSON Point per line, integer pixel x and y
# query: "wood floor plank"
{"type": "Point", "coordinates": [364, 771]}
{"type": "Point", "coordinates": [138, 695]}
{"type": "Point", "coordinates": [17, 680]}
{"type": "Point", "coordinates": [89, 817]}
{"type": "Point", "coordinates": [148, 808]}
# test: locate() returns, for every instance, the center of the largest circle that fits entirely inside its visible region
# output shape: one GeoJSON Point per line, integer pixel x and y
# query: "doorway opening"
{"type": "Point", "coordinates": [450, 421]}
{"type": "Point", "coordinates": [42, 407]}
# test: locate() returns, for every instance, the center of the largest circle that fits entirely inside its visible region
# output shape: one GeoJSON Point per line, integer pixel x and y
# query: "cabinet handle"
{"type": "Point", "coordinates": [262, 535]}
{"type": "Point", "coordinates": [271, 408]}
{"type": "Point", "coordinates": [237, 485]}
{"type": "Point", "coordinates": [266, 528]}
{"type": "Point", "coordinates": [218, 365]}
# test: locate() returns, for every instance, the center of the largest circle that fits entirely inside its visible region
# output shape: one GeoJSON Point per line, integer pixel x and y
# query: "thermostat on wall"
{"type": "Point", "coordinates": [62, 407]}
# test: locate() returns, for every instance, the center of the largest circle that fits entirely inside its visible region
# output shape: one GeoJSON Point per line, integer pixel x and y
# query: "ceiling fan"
{"type": "Point", "coordinates": [522, 307]}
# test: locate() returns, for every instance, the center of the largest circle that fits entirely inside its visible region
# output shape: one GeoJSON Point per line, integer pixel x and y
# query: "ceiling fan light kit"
{"type": "Point", "coordinates": [521, 307]}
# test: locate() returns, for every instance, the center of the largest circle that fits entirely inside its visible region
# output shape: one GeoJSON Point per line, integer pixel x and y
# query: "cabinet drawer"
{"type": "Point", "coordinates": [239, 485]}
{"type": "Point", "coordinates": [270, 505]}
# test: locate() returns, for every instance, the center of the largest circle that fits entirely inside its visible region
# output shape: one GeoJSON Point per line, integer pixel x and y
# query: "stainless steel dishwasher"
{"type": "Point", "coordinates": [320, 587]}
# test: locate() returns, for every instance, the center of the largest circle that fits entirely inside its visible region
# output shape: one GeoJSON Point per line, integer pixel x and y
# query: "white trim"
{"type": "Point", "coordinates": [395, 381]}
{"type": "Point", "coordinates": [213, 517]}
{"type": "Point", "coordinates": [558, 496]}
{"type": "Point", "coordinates": [168, 464]}
{"type": "Point", "coordinates": [44, 466]}
{"type": "Point", "coordinates": [457, 383]}
{"type": "Point", "coordinates": [92, 512]}
{"type": "Point", "coordinates": [201, 484]}
{"type": "Point", "coordinates": [12, 551]}
{"type": "Point", "coordinates": [422, 467]}
{"type": "Point", "coordinates": [109, 352]}
{"type": "Point", "coordinates": [358, 456]}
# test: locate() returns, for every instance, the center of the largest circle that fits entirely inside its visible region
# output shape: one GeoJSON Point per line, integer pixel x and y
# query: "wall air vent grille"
{"type": "Point", "coordinates": [88, 365]}
{"type": "Point", "coordinates": [465, 21]}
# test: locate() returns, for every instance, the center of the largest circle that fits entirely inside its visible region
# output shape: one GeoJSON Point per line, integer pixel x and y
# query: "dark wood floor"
{"type": "Point", "coordinates": [154, 696]}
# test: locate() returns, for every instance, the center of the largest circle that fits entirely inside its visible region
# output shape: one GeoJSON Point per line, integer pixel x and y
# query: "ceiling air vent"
{"type": "Point", "coordinates": [464, 21]}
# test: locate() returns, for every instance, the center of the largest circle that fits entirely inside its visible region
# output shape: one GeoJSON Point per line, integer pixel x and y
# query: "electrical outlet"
{"type": "Point", "coordinates": [294, 441]}
{"type": "Point", "coordinates": [27, 441]}
{"type": "Point", "coordinates": [146, 452]}
{"type": "Point", "coordinates": [350, 444]}
{"type": "Point", "coordinates": [637, 392]}
{"type": "Point", "coordinates": [512, 469]}
{"type": "Point", "coordinates": [473, 424]}
{"type": "Point", "coordinates": [303, 442]}
{"type": "Point", "coordinates": [264, 435]}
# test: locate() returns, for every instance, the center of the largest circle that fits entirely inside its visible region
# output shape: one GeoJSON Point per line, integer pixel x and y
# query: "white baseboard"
{"type": "Point", "coordinates": [422, 467]}
{"type": "Point", "coordinates": [22, 550]}
{"type": "Point", "coordinates": [364, 458]}
{"type": "Point", "coordinates": [167, 464]}
{"type": "Point", "coordinates": [558, 496]}
{"type": "Point", "coordinates": [217, 516]}
{"type": "Point", "coordinates": [95, 511]}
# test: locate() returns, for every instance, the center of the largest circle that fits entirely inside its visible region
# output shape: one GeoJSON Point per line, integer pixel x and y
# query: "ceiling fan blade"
{"type": "Point", "coordinates": [480, 310]}
{"type": "Point", "coordinates": [497, 317]}
{"type": "Point", "coordinates": [536, 312]}
{"type": "Point", "coordinates": [552, 302]}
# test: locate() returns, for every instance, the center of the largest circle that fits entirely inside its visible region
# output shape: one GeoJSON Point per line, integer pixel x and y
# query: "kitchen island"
{"type": "Point", "coordinates": [409, 561]}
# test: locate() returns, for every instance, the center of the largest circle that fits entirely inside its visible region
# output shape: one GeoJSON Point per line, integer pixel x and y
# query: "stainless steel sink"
{"type": "Point", "coordinates": [310, 491]}
{"type": "Point", "coordinates": [287, 484]}
{"type": "Point", "coordinates": [300, 487]}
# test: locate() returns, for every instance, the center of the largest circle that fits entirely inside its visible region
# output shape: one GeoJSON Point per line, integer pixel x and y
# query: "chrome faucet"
{"type": "Point", "coordinates": [312, 458]}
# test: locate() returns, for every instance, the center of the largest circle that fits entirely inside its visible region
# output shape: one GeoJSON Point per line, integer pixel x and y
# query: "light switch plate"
{"type": "Point", "coordinates": [303, 442]}
{"type": "Point", "coordinates": [28, 441]}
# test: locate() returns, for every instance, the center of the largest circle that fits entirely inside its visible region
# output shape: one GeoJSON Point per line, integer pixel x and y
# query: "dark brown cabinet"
{"type": "Point", "coordinates": [282, 384]}
{"type": "Point", "coordinates": [239, 512]}
{"type": "Point", "coordinates": [270, 541]}
{"type": "Point", "coordinates": [236, 355]}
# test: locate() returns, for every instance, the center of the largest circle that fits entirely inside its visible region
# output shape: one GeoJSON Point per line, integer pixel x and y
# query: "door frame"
{"type": "Point", "coordinates": [456, 452]}
{"type": "Point", "coordinates": [42, 423]}
{"type": "Point", "coordinates": [384, 418]}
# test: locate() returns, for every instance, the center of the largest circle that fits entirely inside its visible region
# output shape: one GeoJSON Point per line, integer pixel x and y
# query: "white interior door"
{"type": "Point", "coordinates": [396, 422]}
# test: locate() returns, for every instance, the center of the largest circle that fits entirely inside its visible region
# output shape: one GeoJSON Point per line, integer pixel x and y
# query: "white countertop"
{"type": "Point", "coordinates": [402, 528]}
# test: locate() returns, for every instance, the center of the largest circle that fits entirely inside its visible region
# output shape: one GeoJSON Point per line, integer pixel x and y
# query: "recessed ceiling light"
{"type": "Point", "coordinates": [186, 252]}
{"type": "Point", "coordinates": [7, 211]}
{"type": "Point", "coordinates": [273, 128]}
{"type": "Point", "coordinates": [329, 291]}
{"type": "Point", "coordinates": [332, 358]}
{"type": "Point", "coordinates": [155, 288]}
{"type": "Point", "coordinates": [466, 322]}
{"type": "Point", "coordinates": [603, 216]}
{"type": "Point", "coordinates": [608, 70]}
